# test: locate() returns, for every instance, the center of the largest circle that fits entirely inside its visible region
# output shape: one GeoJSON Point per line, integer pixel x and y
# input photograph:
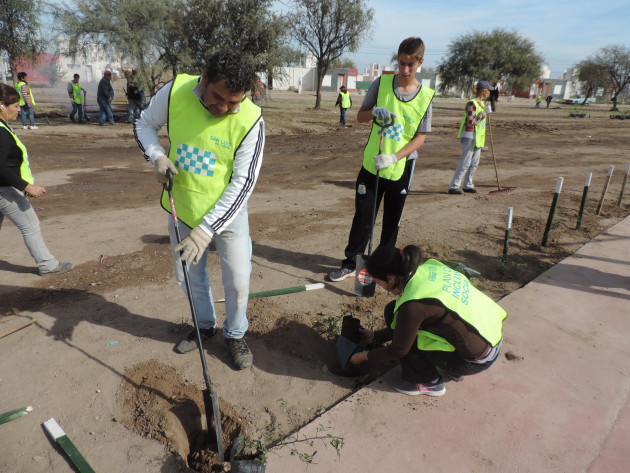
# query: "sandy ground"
{"type": "Point", "coordinates": [99, 357]}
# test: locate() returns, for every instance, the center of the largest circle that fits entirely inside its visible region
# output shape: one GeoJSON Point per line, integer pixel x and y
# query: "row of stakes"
{"type": "Point", "coordinates": [554, 204]}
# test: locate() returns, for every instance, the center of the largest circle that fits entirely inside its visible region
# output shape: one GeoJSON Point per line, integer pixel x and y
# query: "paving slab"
{"type": "Point", "coordinates": [557, 399]}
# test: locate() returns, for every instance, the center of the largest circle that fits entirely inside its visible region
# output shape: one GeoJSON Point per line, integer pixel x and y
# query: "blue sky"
{"type": "Point", "coordinates": [563, 31]}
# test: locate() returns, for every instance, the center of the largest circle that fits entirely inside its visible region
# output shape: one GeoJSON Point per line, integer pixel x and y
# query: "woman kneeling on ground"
{"type": "Point", "coordinates": [440, 326]}
{"type": "Point", "coordinates": [16, 182]}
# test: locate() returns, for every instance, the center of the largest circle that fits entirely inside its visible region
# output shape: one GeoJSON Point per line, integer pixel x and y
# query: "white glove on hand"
{"type": "Point", "coordinates": [385, 160]}
{"type": "Point", "coordinates": [382, 114]}
{"type": "Point", "coordinates": [488, 109]}
{"type": "Point", "coordinates": [161, 164]}
{"type": "Point", "coordinates": [192, 247]}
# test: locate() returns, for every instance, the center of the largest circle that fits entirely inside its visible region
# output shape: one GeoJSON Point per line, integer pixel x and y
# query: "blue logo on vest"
{"type": "Point", "coordinates": [195, 160]}
{"type": "Point", "coordinates": [393, 132]}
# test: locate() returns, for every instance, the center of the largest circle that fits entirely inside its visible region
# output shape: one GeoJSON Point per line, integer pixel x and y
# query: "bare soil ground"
{"type": "Point", "coordinates": [99, 356]}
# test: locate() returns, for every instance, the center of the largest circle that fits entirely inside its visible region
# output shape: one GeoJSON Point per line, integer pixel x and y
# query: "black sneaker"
{"type": "Point", "coordinates": [472, 190]}
{"type": "Point", "coordinates": [189, 343]}
{"type": "Point", "coordinates": [240, 352]}
{"type": "Point", "coordinates": [341, 274]}
{"type": "Point", "coordinates": [411, 389]}
{"type": "Point", "coordinates": [455, 191]}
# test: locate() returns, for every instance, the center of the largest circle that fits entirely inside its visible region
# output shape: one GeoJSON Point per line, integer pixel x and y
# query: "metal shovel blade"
{"type": "Point", "coordinates": [364, 285]}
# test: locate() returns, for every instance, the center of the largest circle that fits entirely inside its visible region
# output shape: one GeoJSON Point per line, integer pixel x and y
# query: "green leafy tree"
{"type": "Point", "coordinates": [329, 28]}
{"type": "Point", "coordinates": [592, 76]}
{"type": "Point", "coordinates": [615, 60]}
{"type": "Point", "coordinates": [248, 26]}
{"type": "Point", "coordinates": [488, 55]}
{"type": "Point", "coordinates": [20, 31]}
{"type": "Point", "coordinates": [147, 32]}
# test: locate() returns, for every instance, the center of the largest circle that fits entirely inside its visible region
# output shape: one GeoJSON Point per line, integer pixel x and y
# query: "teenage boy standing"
{"type": "Point", "coordinates": [401, 97]}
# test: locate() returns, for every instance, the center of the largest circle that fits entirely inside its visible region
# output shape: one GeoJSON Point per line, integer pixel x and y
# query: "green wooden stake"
{"type": "Point", "coordinates": [552, 210]}
{"type": "Point", "coordinates": [601, 199]}
{"type": "Point", "coordinates": [14, 414]}
{"type": "Point", "coordinates": [587, 183]}
{"type": "Point", "coordinates": [623, 186]}
{"type": "Point", "coordinates": [286, 290]}
{"type": "Point", "coordinates": [508, 229]}
{"type": "Point", "coordinates": [59, 436]}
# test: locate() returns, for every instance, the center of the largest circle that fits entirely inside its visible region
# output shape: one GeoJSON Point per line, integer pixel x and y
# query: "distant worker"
{"type": "Point", "coordinates": [549, 99]}
{"type": "Point", "coordinates": [17, 184]}
{"type": "Point", "coordinates": [441, 327]}
{"type": "Point", "coordinates": [401, 98]}
{"type": "Point", "coordinates": [472, 134]}
{"type": "Point", "coordinates": [258, 92]}
{"type": "Point", "coordinates": [494, 94]}
{"type": "Point", "coordinates": [134, 93]}
{"type": "Point", "coordinates": [344, 101]}
{"type": "Point", "coordinates": [27, 102]}
{"type": "Point", "coordinates": [75, 92]}
{"type": "Point", "coordinates": [538, 100]}
{"type": "Point", "coordinates": [104, 97]}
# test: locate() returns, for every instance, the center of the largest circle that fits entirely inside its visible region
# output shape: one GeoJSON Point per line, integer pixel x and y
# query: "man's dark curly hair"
{"type": "Point", "coordinates": [233, 67]}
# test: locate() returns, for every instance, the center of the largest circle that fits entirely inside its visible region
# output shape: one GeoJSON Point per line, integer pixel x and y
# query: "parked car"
{"type": "Point", "coordinates": [579, 100]}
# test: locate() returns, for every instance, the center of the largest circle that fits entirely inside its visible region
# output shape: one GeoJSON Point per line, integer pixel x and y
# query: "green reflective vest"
{"type": "Point", "coordinates": [434, 280]}
{"type": "Point", "coordinates": [480, 127]}
{"type": "Point", "coordinates": [18, 87]}
{"type": "Point", "coordinates": [408, 117]}
{"type": "Point", "coordinates": [202, 147]}
{"type": "Point", "coordinates": [25, 167]}
{"type": "Point", "coordinates": [345, 99]}
{"type": "Point", "coordinates": [77, 96]}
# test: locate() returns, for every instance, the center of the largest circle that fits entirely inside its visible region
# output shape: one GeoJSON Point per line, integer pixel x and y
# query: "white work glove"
{"type": "Point", "coordinates": [488, 109]}
{"type": "Point", "coordinates": [384, 160]}
{"type": "Point", "coordinates": [192, 247]}
{"type": "Point", "coordinates": [161, 164]}
{"type": "Point", "coordinates": [382, 114]}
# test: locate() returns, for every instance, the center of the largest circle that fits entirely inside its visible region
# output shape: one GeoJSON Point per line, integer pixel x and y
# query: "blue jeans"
{"type": "Point", "coordinates": [24, 110]}
{"type": "Point", "coordinates": [468, 163]}
{"type": "Point", "coordinates": [234, 246]}
{"type": "Point", "coordinates": [134, 109]}
{"type": "Point", "coordinates": [15, 206]}
{"type": "Point", "coordinates": [106, 111]}
{"type": "Point", "coordinates": [342, 117]}
{"type": "Point", "coordinates": [76, 108]}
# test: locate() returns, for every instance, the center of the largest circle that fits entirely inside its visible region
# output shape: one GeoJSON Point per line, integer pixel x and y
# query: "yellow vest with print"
{"type": "Point", "coordinates": [76, 92]}
{"type": "Point", "coordinates": [434, 280]}
{"type": "Point", "coordinates": [408, 117]}
{"type": "Point", "coordinates": [345, 99]}
{"type": "Point", "coordinates": [480, 127]}
{"type": "Point", "coordinates": [25, 167]}
{"type": "Point", "coordinates": [18, 87]}
{"type": "Point", "coordinates": [202, 147]}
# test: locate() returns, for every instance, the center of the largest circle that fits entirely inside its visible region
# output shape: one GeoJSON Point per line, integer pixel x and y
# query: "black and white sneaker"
{"type": "Point", "coordinates": [341, 274]}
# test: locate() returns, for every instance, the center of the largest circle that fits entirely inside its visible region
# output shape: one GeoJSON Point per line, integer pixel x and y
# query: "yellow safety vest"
{"type": "Point", "coordinates": [18, 87]}
{"type": "Point", "coordinates": [480, 127]}
{"type": "Point", "coordinates": [25, 167]}
{"type": "Point", "coordinates": [345, 99]}
{"type": "Point", "coordinates": [202, 147]}
{"type": "Point", "coordinates": [434, 280]}
{"type": "Point", "coordinates": [76, 92]}
{"type": "Point", "coordinates": [408, 117]}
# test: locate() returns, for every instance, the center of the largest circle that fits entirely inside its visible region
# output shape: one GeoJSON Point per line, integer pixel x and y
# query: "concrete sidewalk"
{"type": "Point", "coordinates": [555, 401]}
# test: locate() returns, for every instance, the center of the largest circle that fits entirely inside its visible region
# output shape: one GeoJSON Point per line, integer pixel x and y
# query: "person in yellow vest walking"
{"type": "Point", "coordinates": [344, 102]}
{"type": "Point", "coordinates": [216, 139]}
{"type": "Point", "coordinates": [27, 102]}
{"type": "Point", "coordinates": [472, 133]}
{"type": "Point", "coordinates": [441, 327]}
{"type": "Point", "coordinates": [16, 183]}
{"type": "Point", "coordinates": [401, 98]}
{"type": "Point", "coordinates": [75, 92]}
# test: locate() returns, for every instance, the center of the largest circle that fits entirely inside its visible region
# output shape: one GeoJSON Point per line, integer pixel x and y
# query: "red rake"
{"type": "Point", "coordinates": [499, 190]}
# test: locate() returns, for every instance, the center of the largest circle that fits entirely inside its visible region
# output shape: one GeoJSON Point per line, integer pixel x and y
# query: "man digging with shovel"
{"type": "Point", "coordinates": [216, 140]}
{"type": "Point", "coordinates": [399, 98]}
